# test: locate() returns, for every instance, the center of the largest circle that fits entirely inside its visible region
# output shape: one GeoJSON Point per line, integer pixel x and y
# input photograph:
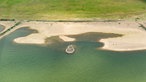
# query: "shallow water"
{"type": "Point", "coordinates": [1, 28]}
{"type": "Point", "coordinates": [35, 63]}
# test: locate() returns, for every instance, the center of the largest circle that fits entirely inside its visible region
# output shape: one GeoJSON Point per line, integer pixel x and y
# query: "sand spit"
{"type": "Point", "coordinates": [132, 39]}
{"type": "Point", "coordinates": [65, 38]}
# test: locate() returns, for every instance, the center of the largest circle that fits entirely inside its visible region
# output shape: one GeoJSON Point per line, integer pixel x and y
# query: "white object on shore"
{"type": "Point", "coordinates": [70, 49]}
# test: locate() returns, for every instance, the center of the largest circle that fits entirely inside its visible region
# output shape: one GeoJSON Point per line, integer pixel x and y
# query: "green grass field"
{"type": "Point", "coordinates": [69, 9]}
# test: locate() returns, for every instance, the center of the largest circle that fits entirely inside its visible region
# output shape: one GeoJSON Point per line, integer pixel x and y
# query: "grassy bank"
{"type": "Point", "coordinates": [69, 9]}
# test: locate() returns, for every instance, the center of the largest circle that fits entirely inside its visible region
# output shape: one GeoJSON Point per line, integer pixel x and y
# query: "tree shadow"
{"type": "Point", "coordinates": [143, 0]}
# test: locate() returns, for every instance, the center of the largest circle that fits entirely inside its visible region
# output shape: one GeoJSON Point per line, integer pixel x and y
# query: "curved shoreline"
{"type": "Point", "coordinates": [111, 46]}
{"type": "Point", "coordinates": [132, 38]}
{"type": "Point", "coordinates": [130, 31]}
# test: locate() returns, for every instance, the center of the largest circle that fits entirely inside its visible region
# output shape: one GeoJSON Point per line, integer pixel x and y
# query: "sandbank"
{"type": "Point", "coordinates": [132, 39]}
{"type": "Point", "coordinates": [67, 39]}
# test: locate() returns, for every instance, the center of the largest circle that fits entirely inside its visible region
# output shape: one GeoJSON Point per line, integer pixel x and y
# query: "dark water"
{"type": "Point", "coordinates": [34, 63]}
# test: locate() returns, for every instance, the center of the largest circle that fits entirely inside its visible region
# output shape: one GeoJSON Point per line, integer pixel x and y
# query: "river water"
{"type": "Point", "coordinates": [49, 63]}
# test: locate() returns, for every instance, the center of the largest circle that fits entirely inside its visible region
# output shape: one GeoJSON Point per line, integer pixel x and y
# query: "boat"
{"type": "Point", "coordinates": [70, 49]}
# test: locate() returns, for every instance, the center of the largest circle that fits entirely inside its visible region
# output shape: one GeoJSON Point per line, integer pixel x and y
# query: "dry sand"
{"type": "Point", "coordinates": [133, 36]}
{"type": "Point", "coordinates": [67, 39]}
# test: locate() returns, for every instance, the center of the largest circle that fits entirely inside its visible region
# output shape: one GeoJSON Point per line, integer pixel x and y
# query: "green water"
{"type": "Point", "coordinates": [34, 63]}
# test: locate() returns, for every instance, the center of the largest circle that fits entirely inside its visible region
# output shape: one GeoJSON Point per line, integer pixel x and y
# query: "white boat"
{"type": "Point", "coordinates": [70, 49]}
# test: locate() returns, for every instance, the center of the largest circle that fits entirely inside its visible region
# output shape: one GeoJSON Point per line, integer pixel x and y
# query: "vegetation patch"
{"type": "Point", "coordinates": [70, 9]}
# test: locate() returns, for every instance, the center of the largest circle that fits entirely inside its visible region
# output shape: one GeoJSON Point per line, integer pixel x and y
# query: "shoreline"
{"type": "Point", "coordinates": [2, 28]}
{"type": "Point", "coordinates": [132, 33]}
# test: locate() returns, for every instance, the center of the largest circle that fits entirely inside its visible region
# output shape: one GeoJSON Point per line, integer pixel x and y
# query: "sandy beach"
{"type": "Point", "coordinates": [132, 39]}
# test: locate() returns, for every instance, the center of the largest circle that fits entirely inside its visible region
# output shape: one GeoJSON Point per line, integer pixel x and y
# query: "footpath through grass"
{"type": "Point", "coordinates": [70, 9]}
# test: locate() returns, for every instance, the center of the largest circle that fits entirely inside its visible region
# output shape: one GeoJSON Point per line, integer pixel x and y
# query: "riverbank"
{"type": "Point", "coordinates": [132, 39]}
{"type": "Point", "coordinates": [71, 9]}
